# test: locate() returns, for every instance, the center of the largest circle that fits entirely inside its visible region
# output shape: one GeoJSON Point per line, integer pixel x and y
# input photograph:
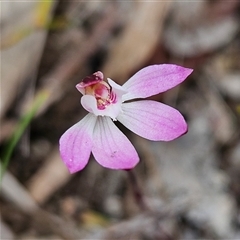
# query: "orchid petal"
{"type": "Point", "coordinates": [154, 79]}
{"type": "Point", "coordinates": [118, 89]}
{"type": "Point", "coordinates": [153, 120]}
{"type": "Point", "coordinates": [90, 104]}
{"type": "Point", "coordinates": [76, 143]}
{"type": "Point", "coordinates": [111, 148]}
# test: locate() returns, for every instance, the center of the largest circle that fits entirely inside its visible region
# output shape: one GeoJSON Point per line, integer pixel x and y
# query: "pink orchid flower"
{"type": "Point", "coordinates": [107, 101]}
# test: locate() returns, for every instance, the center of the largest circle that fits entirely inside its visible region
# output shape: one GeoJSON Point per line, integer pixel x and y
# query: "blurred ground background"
{"type": "Point", "coordinates": [191, 185]}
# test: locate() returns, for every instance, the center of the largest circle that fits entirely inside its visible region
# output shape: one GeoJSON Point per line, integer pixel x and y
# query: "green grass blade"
{"type": "Point", "coordinates": [20, 129]}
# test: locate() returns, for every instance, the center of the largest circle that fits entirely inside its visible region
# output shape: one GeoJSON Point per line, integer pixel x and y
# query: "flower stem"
{"type": "Point", "coordinates": [138, 195]}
